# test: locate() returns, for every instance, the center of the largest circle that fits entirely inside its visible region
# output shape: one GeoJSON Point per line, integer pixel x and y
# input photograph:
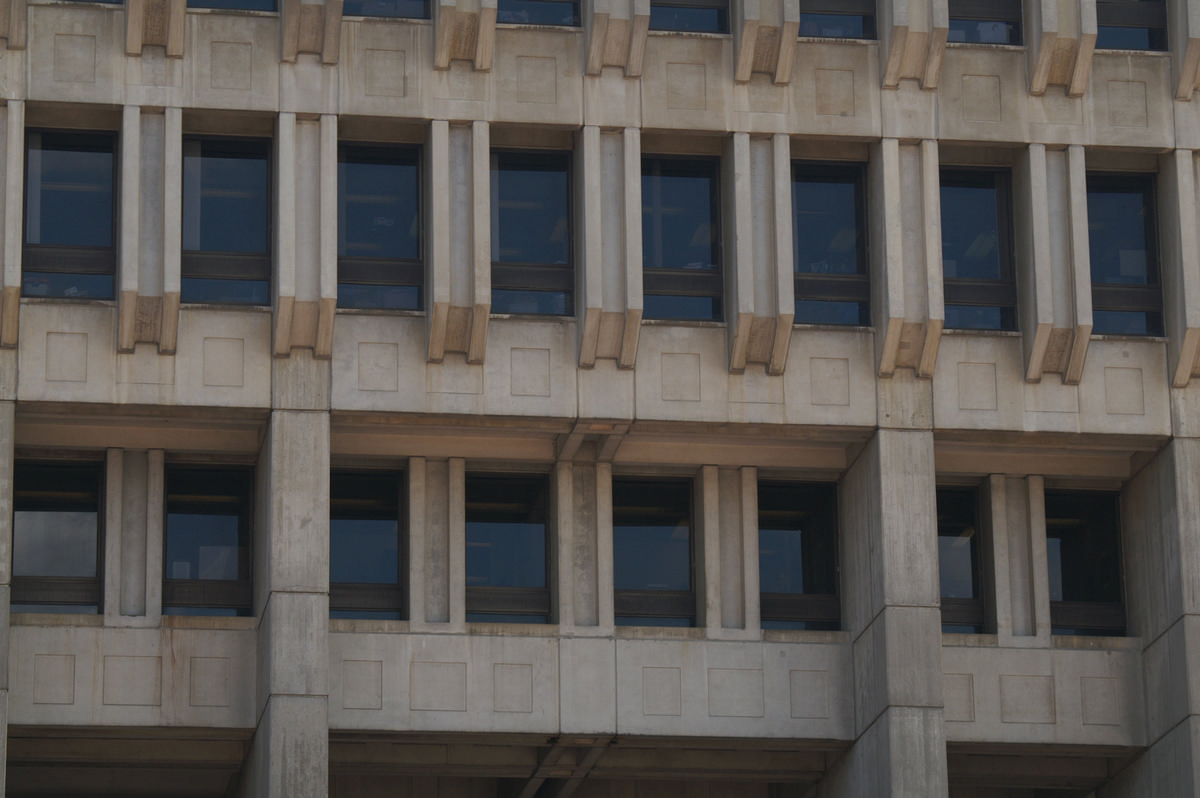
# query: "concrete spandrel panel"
{"type": "Point", "coordinates": [66, 352]}
{"type": "Point", "coordinates": [132, 681]}
{"type": "Point", "coordinates": [538, 75]}
{"type": "Point", "coordinates": [732, 689]}
{"type": "Point", "coordinates": [982, 96]}
{"type": "Point", "coordinates": [379, 363]}
{"type": "Point", "coordinates": [233, 351]}
{"type": "Point", "coordinates": [1131, 100]}
{"type": "Point", "coordinates": [459, 92]}
{"type": "Point", "coordinates": [382, 66]}
{"type": "Point", "coordinates": [830, 377]}
{"type": "Point", "coordinates": [611, 100]}
{"type": "Point", "coordinates": [605, 391]}
{"type": "Point", "coordinates": [54, 679]}
{"type": "Point", "coordinates": [1125, 387]}
{"type": "Point", "coordinates": [530, 368]}
{"type": "Point", "coordinates": [1085, 696]}
{"type": "Point", "coordinates": [834, 90]}
{"type": "Point", "coordinates": [685, 84]}
{"type": "Point", "coordinates": [76, 53]}
{"type": "Point", "coordinates": [443, 682]}
{"type": "Point", "coordinates": [681, 373]}
{"type": "Point", "coordinates": [1056, 116]}
{"type": "Point", "coordinates": [232, 61]}
{"type": "Point", "coordinates": [977, 382]}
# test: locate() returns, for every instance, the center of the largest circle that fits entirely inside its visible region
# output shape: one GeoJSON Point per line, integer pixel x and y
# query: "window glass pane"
{"type": "Point", "coordinates": [1126, 322]}
{"type": "Point", "coordinates": [1083, 546]}
{"type": "Point", "coordinates": [531, 201]}
{"type": "Point", "coordinates": [390, 297]}
{"type": "Point", "coordinates": [685, 308]}
{"type": "Point", "coordinates": [840, 26]}
{"type": "Point", "coordinates": [652, 534]}
{"type": "Point", "coordinates": [206, 535]}
{"type": "Point", "coordinates": [984, 31]}
{"type": "Point", "coordinates": [797, 531]}
{"type": "Point", "coordinates": [971, 231]}
{"type": "Point", "coordinates": [69, 190]}
{"type": "Point", "coordinates": [225, 196]}
{"type": "Point", "coordinates": [958, 533]}
{"type": "Point", "coordinates": [538, 12]}
{"type": "Point", "coordinates": [679, 210]}
{"type": "Point", "coordinates": [225, 292]}
{"type": "Point", "coordinates": [416, 9]}
{"type": "Point", "coordinates": [826, 226]}
{"type": "Point", "coordinates": [54, 543]}
{"type": "Point", "coordinates": [506, 532]}
{"type": "Point", "coordinates": [690, 19]}
{"type": "Point", "coordinates": [1117, 235]}
{"type": "Point", "coordinates": [66, 284]}
{"type": "Point", "coordinates": [364, 528]}
{"type": "Point", "coordinates": [545, 303]}
{"type": "Point", "coordinates": [979, 317]}
{"type": "Point", "coordinates": [1112, 37]}
{"type": "Point", "coordinates": [646, 620]}
{"type": "Point", "coordinates": [815, 311]}
{"type": "Point", "coordinates": [378, 205]}
{"type": "Point", "coordinates": [236, 5]}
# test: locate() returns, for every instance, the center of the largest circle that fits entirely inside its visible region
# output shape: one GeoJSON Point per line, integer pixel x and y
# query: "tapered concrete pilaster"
{"type": "Point", "coordinates": [436, 541]}
{"type": "Point", "coordinates": [584, 513]}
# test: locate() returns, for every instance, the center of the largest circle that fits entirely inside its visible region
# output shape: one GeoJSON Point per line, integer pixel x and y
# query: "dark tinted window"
{"type": "Point", "coordinates": [226, 222]}
{"type": "Point", "coordinates": [980, 292]}
{"type": "Point", "coordinates": [1122, 238]}
{"type": "Point", "coordinates": [700, 16]}
{"type": "Point", "coordinates": [235, 5]}
{"type": "Point", "coordinates": [417, 9]}
{"type": "Point", "coordinates": [652, 553]}
{"type": "Point", "coordinates": [365, 555]}
{"type": "Point", "coordinates": [830, 245]}
{"type": "Point", "coordinates": [69, 200]}
{"type": "Point", "coordinates": [1083, 558]}
{"type": "Point", "coordinates": [985, 21]}
{"type": "Point", "coordinates": [506, 549]}
{"type": "Point", "coordinates": [538, 12]}
{"type": "Point", "coordinates": [839, 19]}
{"type": "Point", "coordinates": [1131, 24]}
{"type": "Point", "coordinates": [797, 555]}
{"type": "Point", "coordinates": [56, 538]}
{"type": "Point", "coordinates": [379, 228]}
{"type": "Point", "coordinates": [958, 559]}
{"type": "Point", "coordinates": [531, 233]}
{"type": "Point", "coordinates": [206, 564]}
{"type": "Point", "coordinates": [681, 248]}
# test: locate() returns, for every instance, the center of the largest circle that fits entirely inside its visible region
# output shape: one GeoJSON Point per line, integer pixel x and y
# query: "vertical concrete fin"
{"type": "Point", "coordinates": [172, 244]}
{"type": "Point", "coordinates": [14, 192]}
{"type": "Point", "coordinates": [155, 521]}
{"type": "Point", "coordinates": [176, 27]}
{"type": "Point", "coordinates": [327, 236]}
{"type": "Point", "coordinates": [331, 32]}
{"type": "Point", "coordinates": [707, 546]}
{"type": "Point", "coordinates": [135, 21]}
{"type": "Point", "coordinates": [1183, 21]}
{"type": "Point", "coordinates": [564, 549]}
{"type": "Point", "coordinates": [456, 560]}
{"type": "Point", "coordinates": [789, 29]}
{"type": "Point", "coordinates": [437, 230]}
{"type": "Point", "coordinates": [485, 39]}
{"type": "Point", "coordinates": [739, 251]}
{"type": "Point", "coordinates": [1180, 283]}
{"type": "Point", "coordinates": [931, 203]}
{"type": "Point", "coordinates": [1035, 267]}
{"type": "Point", "coordinates": [784, 254]}
{"type": "Point", "coordinates": [751, 596]}
{"type": "Point", "coordinates": [939, 30]}
{"type": "Point", "coordinates": [114, 519]}
{"type": "Point", "coordinates": [285, 232]}
{"type": "Point", "coordinates": [1087, 46]}
{"type": "Point", "coordinates": [604, 545]}
{"type": "Point", "coordinates": [1081, 263]}
{"type": "Point", "coordinates": [632, 228]}
{"type": "Point", "coordinates": [444, 14]}
{"type": "Point", "coordinates": [887, 279]}
{"type": "Point", "coordinates": [129, 244]}
{"type": "Point", "coordinates": [1039, 576]}
{"type": "Point", "coordinates": [481, 233]}
{"type": "Point", "coordinates": [589, 277]}
{"type": "Point", "coordinates": [745, 28]}
{"type": "Point", "coordinates": [417, 505]}
{"type": "Point", "coordinates": [640, 25]}
{"type": "Point", "coordinates": [1042, 33]}
{"type": "Point", "coordinates": [998, 571]}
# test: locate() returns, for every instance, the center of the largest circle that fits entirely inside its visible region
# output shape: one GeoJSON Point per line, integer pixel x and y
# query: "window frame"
{"type": "Point", "coordinates": [721, 6]}
{"type": "Point", "coordinates": [384, 272]}
{"type": "Point", "coordinates": [233, 6]}
{"type": "Point", "coordinates": [1141, 298]}
{"type": "Point", "coordinates": [653, 603]}
{"type": "Point", "coordinates": [957, 610]}
{"type": "Point", "coordinates": [672, 281]}
{"type": "Point", "coordinates": [507, 600]}
{"type": "Point", "coordinates": [576, 21]}
{"type": "Point", "coordinates": [211, 594]}
{"type": "Point", "coordinates": [842, 8]}
{"type": "Point", "coordinates": [81, 591]}
{"type": "Point", "coordinates": [808, 607]}
{"type": "Point", "coordinates": [835, 287]}
{"type": "Point", "coordinates": [536, 277]}
{"type": "Point", "coordinates": [1100, 618]}
{"type": "Point", "coordinates": [1006, 11]}
{"type": "Point", "coordinates": [1148, 15]}
{"type": "Point", "coordinates": [981, 292]}
{"type": "Point", "coordinates": [64, 258]}
{"type": "Point", "coordinates": [425, 14]}
{"type": "Point", "coordinates": [368, 599]}
{"type": "Point", "coordinates": [200, 264]}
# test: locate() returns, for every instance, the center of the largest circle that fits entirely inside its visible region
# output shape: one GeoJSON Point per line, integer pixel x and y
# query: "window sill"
{"type": "Point", "coordinates": [367, 626]}
{"type": "Point", "coordinates": [390, 312]}
{"type": "Point", "coordinates": [486, 629]}
{"type": "Point", "coordinates": [691, 34]}
{"type": "Point", "coordinates": [804, 636]}
{"type": "Point", "coordinates": [1157, 339]}
{"type": "Point", "coordinates": [229, 623]}
{"type": "Point", "coordinates": [231, 306]}
{"type": "Point", "coordinates": [720, 325]}
{"type": "Point", "coordinates": [659, 632]}
{"type": "Point", "coordinates": [836, 40]}
{"type": "Point", "coordinates": [1096, 642]}
{"type": "Point", "coordinates": [1117, 51]}
{"type": "Point", "coordinates": [532, 317]}
{"type": "Point", "coordinates": [237, 12]}
{"type": "Point", "coordinates": [1016, 48]}
{"type": "Point", "coordinates": [535, 26]}
{"type": "Point", "coordinates": [54, 300]}
{"type": "Point", "coordinates": [800, 325]}
{"type": "Point", "coordinates": [976, 640]}
{"type": "Point", "coordinates": [968, 331]}
{"type": "Point", "coordinates": [56, 619]}
{"type": "Point", "coordinates": [372, 18]}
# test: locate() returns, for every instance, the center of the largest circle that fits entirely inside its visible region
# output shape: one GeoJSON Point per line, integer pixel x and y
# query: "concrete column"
{"type": "Point", "coordinates": [1162, 588]}
{"type": "Point", "coordinates": [1015, 572]}
{"type": "Point", "coordinates": [7, 430]}
{"type": "Point", "coordinates": [289, 755]}
{"type": "Point", "coordinates": [891, 609]}
{"type": "Point", "coordinates": [436, 535]}
{"type": "Point", "coordinates": [727, 550]}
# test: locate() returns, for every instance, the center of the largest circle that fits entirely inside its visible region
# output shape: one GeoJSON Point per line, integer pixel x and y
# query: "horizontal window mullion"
{"type": "Point", "coordinates": [1002, 10]}
{"type": "Point", "coordinates": [380, 271]}
{"type": "Point", "coordinates": [56, 590]}
{"type": "Point", "coordinates": [206, 593]}
{"type": "Point", "coordinates": [849, 7]}
{"type": "Point", "coordinates": [1132, 15]}
{"type": "Point", "coordinates": [1098, 615]}
{"type": "Point", "coordinates": [533, 276]}
{"type": "Point", "coordinates": [226, 265]}
{"type": "Point", "coordinates": [1127, 297]}
{"type": "Point", "coordinates": [840, 288]}
{"type": "Point", "coordinates": [799, 607]}
{"type": "Point", "coordinates": [990, 293]}
{"type": "Point", "coordinates": [76, 260]}
{"type": "Point", "coordinates": [508, 600]}
{"type": "Point", "coordinates": [962, 611]}
{"type": "Point", "coordinates": [655, 603]}
{"type": "Point", "coordinates": [722, 4]}
{"type": "Point", "coordinates": [365, 597]}
{"type": "Point", "coordinates": [683, 282]}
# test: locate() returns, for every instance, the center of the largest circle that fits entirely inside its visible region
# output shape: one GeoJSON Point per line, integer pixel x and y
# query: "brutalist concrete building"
{"type": "Point", "coordinates": [600, 398]}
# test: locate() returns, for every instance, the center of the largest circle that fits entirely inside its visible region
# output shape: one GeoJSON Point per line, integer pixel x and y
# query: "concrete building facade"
{"type": "Point", "coordinates": [752, 398]}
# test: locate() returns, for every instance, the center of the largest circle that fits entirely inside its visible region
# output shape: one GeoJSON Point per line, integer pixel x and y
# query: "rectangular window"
{"type": "Point", "coordinates": [506, 539]}
{"type": "Point", "coordinates": [56, 537]}
{"type": "Point", "coordinates": [69, 215]}
{"type": "Point", "coordinates": [539, 12]}
{"type": "Point", "coordinates": [412, 9]}
{"type": "Point", "coordinates": [985, 21]}
{"type": "Point", "coordinates": [681, 242]}
{"type": "Point", "coordinates": [652, 553]}
{"type": "Point", "coordinates": [958, 559]}
{"type": "Point", "coordinates": [226, 221]}
{"type": "Point", "coordinates": [1131, 24]}
{"type": "Point", "coordinates": [206, 560]}
{"type": "Point", "coordinates": [977, 264]}
{"type": "Point", "coordinates": [797, 555]}
{"type": "Point", "coordinates": [531, 233]}
{"type": "Point", "coordinates": [1083, 557]}
{"type": "Point", "coordinates": [691, 16]}
{"type": "Point", "coordinates": [838, 19]}
{"type": "Point", "coordinates": [829, 225]}
{"type": "Point", "coordinates": [379, 228]}
{"type": "Point", "coordinates": [234, 5]}
{"type": "Point", "coordinates": [366, 560]}
{"type": "Point", "coordinates": [1123, 240]}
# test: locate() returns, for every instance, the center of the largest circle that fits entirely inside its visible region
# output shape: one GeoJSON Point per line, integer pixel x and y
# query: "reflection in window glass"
{"type": "Point", "coordinates": [699, 17]}
{"type": "Point", "coordinates": [1083, 552]}
{"type": "Point", "coordinates": [797, 541]}
{"type": "Point", "coordinates": [506, 548]}
{"type": "Point", "coordinates": [830, 252]}
{"type": "Point", "coordinates": [980, 292]}
{"type": "Point", "coordinates": [958, 559]}
{"type": "Point", "coordinates": [206, 541]}
{"type": "Point", "coordinates": [1131, 24]}
{"type": "Point", "coordinates": [379, 228]}
{"type": "Point", "coordinates": [1126, 297]}
{"type": "Point", "coordinates": [414, 9]}
{"type": "Point", "coordinates": [539, 12]}
{"type": "Point", "coordinates": [364, 546]}
{"type": "Point", "coordinates": [69, 203]}
{"type": "Point", "coordinates": [1111, 37]}
{"type": "Point", "coordinates": [652, 551]}
{"type": "Point", "coordinates": [977, 31]}
{"type": "Point", "coordinates": [56, 535]}
{"type": "Point", "coordinates": [680, 226]}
